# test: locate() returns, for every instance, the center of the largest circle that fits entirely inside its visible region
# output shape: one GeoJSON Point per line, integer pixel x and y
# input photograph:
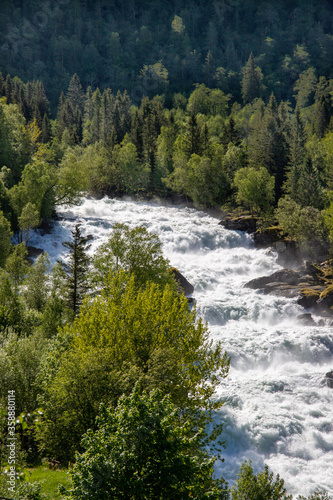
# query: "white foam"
{"type": "Point", "coordinates": [278, 410]}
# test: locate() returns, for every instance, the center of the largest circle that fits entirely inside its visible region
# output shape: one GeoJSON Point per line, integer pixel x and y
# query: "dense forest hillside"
{"type": "Point", "coordinates": [226, 104]}
{"type": "Point", "coordinates": [149, 47]}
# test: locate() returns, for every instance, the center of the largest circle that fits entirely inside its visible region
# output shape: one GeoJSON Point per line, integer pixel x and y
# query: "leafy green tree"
{"type": "Point", "coordinates": [29, 219]}
{"type": "Point", "coordinates": [310, 191]}
{"type": "Point", "coordinates": [11, 310]}
{"type": "Point", "coordinates": [35, 285]}
{"type": "Point", "coordinates": [5, 239]}
{"type": "Point", "coordinates": [255, 189]}
{"type": "Point", "coordinates": [318, 494]}
{"type": "Point", "coordinates": [144, 449]}
{"type": "Point", "coordinates": [155, 77]}
{"type": "Point", "coordinates": [77, 269]}
{"type": "Point", "coordinates": [304, 224]}
{"type": "Point", "coordinates": [20, 361]}
{"type": "Point", "coordinates": [127, 174]}
{"type": "Point", "coordinates": [208, 101]}
{"type": "Point", "coordinates": [15, 149]}
{"type": "Point", "coordinates": [135, 251]}
{"type": "Point", "coordinates": [17, 264]}
{"type": "Point", "coordinates": [262, 486]}
{"type": "Point", "coordinates": [305, 87]}
{"type": "Point", "coordinates": [207, 182]}
{"type": "Point", "coordinates": [123, 336]}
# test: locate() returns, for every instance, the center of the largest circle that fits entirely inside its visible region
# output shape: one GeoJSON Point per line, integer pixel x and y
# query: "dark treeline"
{"type": "Point", "coordinates": [149, 47]}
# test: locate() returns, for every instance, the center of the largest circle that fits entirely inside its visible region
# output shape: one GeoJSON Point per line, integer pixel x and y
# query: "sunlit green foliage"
{"type": "Point", "coordinates": [122, 336]}
{"type": "Point", "coordinates": [144, 449]}
{"type": "Point", "coordinates": [255, 189]}
{"type": "Point", "coordinates": [261, 486]}
{"type": "Point", "coordinates": [135, 251]}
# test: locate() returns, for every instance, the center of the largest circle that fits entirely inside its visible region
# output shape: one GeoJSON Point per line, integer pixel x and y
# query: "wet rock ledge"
{"type": "Point", "coordinates": [311, 283]}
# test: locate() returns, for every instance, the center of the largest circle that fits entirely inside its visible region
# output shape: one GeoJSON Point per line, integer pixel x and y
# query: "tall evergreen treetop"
{"type": "Point", "coordinates": [77, 268]}
{"type": "Point", "coordinates": [251, 81]}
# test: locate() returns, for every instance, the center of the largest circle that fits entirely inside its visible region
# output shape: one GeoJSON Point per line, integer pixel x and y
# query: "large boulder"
{"type": "Point", "coordinates": [290, 283]}
{"type": "Point", "coordinates": [329, 379]}
{"type": "Point", "coordinates": [309, 296]}
{"type": "Point", "coordinates": [183, 284]}
{"type": "Point", "coordinates": [245, 223]}
{"type": "Point", "coordinates": [286, 278]}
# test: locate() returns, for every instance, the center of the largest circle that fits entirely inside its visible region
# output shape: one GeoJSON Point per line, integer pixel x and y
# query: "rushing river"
{"type": "Point", "coordinates": [278, 410]}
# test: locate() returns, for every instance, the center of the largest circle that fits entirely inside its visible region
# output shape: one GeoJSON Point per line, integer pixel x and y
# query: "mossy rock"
{"type": "Point", "coordinates": [308, 297]}
{"type": "Point", "coordinates": [310, 292]}
{"type": "Point", "coordinates": [327, 294]}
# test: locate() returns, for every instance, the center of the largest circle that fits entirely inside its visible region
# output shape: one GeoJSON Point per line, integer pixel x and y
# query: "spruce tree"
{"type": "Point", "coordinates": [77, 269]}
{"type": "Point", "coordinates": [321, 117]}
{"type": "Point", "coordinates": [251, 81]}
{"type": "Point", "coordinates": [297, 153]}
{"type": "Point", "coordinates": [2, 85]}
{"type": "Point", "coordinates": [230, 134]}
{"type": "Point", "coordinates": [193, 135]}
{"type": "Point", "coordinates": [8, 89]}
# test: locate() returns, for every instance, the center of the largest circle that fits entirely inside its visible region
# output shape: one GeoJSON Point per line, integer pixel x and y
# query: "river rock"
{"type": "Point", "coordinates": [242, 223]}
{"type": "Point", "coordinates": [329, 379]}
{"type": "Point", "coordinates": [300, 284]}
{"type": "Point", "coordinates": [306, 319]}
{"type": "Point", "coordinates": [183, 284]}
{"type": "Point", "coordinates": [34, 252]}
{"type": "Point", "coordinates": [280, 278]}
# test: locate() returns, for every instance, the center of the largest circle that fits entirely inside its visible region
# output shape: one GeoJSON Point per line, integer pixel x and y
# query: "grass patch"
{"type": "Point", "coordinates": [50, 479]}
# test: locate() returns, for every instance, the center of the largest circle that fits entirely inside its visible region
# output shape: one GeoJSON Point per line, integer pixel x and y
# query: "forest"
{"type": "Point", "coordinates": [226, 105]}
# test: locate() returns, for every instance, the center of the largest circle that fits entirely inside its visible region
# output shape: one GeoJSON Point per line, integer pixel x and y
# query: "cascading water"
{"type": "Point", "coordinates": [278, 410]}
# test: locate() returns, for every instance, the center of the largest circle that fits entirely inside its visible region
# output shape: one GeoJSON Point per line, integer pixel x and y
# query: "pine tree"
{"type": "Point", "coordinates": [230, 134]}
{"type": "Point", "coordinates": [75, 94]}
{"type": "Point", "coordinates": [8, 89]}
{"type": "Point", "coordinates": [309, 192]}
{"type": "Point", "coordinates": [77, 269]}
{"type": "Point", "coordinates": [209, 69]}
{"type": "Point", "coordinates": [96, 122]}
{"type": "Point", "coordinates": [268, 146]}
{"type": "Point", "coordinates": [194, 143]}
{"type": "Point", "coordinates": [297, 153]}
{"type": "Point", "coordinates": [107, 126]}
{"type": "Point", "coordinates": [46, 129]}
{"type": "Point", "coordinates": [136, 134]}
{"type": "Point", "coordinates": [321, 117]}
{"type": "Point", "coordinates": [2, 85]}
{"type": "Point", "coordinates": [251, 81]}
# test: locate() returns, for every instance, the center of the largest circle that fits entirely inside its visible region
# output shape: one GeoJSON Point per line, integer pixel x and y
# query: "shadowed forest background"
{"type": "Point", "coordinates": [226, 104]}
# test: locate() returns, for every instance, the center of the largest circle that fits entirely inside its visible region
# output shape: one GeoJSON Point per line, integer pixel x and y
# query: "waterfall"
{"type": "Point", "coordinates": [278, 410]}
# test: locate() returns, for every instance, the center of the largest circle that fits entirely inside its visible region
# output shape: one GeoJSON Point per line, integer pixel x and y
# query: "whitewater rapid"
{"type": "Point", "coordinates": [278, 410]}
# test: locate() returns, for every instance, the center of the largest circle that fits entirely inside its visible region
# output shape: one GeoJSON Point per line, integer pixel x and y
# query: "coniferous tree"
{"type": "Point", "coordinates": [193, 136]}
{"type": "Point", "coordinates": [8, 89]}
{"type": "Point", "coordinates": [297, 153]}
{"type": "Point", "coordinates": [46, 129]}
{"type": "Point", "coordinates": [2, 85]}
{"type": "Point", "coordinates": [309, 191]}
{"type": "Point", "coordinates": [136, 134]}
{"type": "Point", "coordinates": [230, 134]}
{"type": "Point", "coordinates": [96, 122]}
{"type": "Point", "coordinates": [251, 81]}
{"type": "Point", "coordinates": [267, 145]}
{"type": "Point", "coordinates": [77, 269]}
{"type": "Point", "coordinates": [321, 117]}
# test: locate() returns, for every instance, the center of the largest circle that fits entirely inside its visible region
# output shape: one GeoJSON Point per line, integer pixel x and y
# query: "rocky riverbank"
{"type": "Point", "coordinates": [310, 283]}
